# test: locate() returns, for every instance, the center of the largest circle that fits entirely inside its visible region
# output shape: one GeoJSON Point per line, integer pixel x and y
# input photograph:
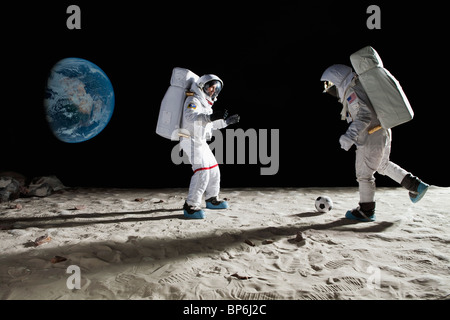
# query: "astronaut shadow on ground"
{"type": "Point", "coordinates": [129, 249]}
{"type": "Point", "coordinates": [213, 243]}
{"type": "Point", "coordinates": [90, 218]}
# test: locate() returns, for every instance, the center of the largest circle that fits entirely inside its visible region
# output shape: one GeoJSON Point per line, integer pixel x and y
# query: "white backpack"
{"type": "Point", "coordinates": [171, 110]}
{"type": "Point", "coordinates": [384, 91]}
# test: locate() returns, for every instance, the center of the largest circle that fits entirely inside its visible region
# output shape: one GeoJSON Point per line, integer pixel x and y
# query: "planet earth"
{"type": "Point", "coordinates": [79, 100]}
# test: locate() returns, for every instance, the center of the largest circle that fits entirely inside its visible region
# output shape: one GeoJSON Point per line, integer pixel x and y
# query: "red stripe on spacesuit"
{"type": "Point", "coordinates": [208, 168]}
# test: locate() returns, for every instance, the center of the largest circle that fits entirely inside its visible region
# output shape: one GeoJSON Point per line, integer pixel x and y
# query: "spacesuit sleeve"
{"type": "Point", "coordinates": [361, 115]}
{"type": "Point", "coordinates": [219, 124]}
{"type": "Point", "coordinates": [192, 114]}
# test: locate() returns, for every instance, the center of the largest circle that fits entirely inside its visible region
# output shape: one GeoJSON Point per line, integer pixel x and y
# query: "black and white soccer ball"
{"type": "Point", "coordinates": [324, 204]}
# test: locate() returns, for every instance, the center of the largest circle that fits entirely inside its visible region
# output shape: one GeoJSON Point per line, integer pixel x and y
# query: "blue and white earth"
{"type": "Point", "coordinates": [79, 100]}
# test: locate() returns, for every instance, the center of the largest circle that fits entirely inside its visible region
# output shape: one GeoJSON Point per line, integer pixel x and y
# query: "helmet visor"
{"type": "Point", "coordinates": [330, 88]}
{"type": "Point", "coordinates": [213, 88]}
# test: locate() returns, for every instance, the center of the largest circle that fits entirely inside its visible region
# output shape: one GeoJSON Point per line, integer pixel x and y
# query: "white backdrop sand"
{"type": "Point", "coordinates": [136, 244]}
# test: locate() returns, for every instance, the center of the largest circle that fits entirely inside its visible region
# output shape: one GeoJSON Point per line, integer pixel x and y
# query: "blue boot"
{"type": "Point", "coordinates": [421, 190]}
{"type": "Point", "coordinates": [417, 188]}
{"type": "Point", "coordinates": [364, 213]}
{"type": "Point", "coordinates": [193, 212]}
{"type": "Point", "coordinates": [213, 203]}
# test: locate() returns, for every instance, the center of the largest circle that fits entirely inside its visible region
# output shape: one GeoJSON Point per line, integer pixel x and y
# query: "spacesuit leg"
{"type": "Point", "coordinates": [368, 160]}
{"type": "Point", "coordinates": [393, 171]}
{"type": "Point", "coordinates": [365, 178]}
{"type": "Point", "coordinates": [197, 187]}
{"type": "Point", "coordinates": [197, 155]}
{"type": "Point", "coordinates": [213, 187]}
{"type": "Point", "coordinates": [387, 167]}
{"type": "Point", "coordinates": [212, 192]}
{"type": "Point", "coordinates": [416, 187]}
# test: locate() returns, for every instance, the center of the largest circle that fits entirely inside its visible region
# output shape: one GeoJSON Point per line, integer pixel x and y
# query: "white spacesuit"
{"type": "Point", "coordinates": [373, 149]}
{"type": "Point", "coordinates": [199, 120]}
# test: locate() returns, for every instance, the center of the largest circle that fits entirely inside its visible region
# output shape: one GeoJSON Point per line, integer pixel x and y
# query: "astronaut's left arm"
{"type": "Point", "coordinates": [219, 124]}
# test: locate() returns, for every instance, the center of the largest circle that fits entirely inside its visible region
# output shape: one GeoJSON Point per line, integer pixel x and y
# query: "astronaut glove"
{"type": "Point", "coordinates": [232, 119]}
{"type": "Point", "coordinates": [346, 142]}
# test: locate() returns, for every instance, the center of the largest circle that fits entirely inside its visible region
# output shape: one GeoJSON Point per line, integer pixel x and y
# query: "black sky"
{"type": "Point", "coordinates": [270, 57]}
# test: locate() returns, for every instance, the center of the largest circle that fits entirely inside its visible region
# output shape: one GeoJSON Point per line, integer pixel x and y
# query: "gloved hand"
{"type": "Point", "coordinates": [232, 119]}
{"type": "Point", "coordinates": [218, 114]}
{"type": "Point", "coordinates": [346, 142]}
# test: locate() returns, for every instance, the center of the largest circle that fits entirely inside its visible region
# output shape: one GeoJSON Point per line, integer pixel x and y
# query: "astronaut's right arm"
{"type": "Point", "coordinates": [361, 120]}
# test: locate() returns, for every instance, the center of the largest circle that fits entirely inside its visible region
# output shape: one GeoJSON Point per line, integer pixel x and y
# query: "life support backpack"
{"type": "Point", "coordinates": [171, 110]}
{"type": "Point", "coordinates": [384, 91]}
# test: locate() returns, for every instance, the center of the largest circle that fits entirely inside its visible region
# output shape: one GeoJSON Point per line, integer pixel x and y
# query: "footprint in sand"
{"type": "Point", "coordinates": [241, 294]}
{"type": "Point", "coordinates": [343, 284]}
{"type": "Point", "coordinates": [178, 277]}
{"type": "Point", "coordinates": [336, 264]}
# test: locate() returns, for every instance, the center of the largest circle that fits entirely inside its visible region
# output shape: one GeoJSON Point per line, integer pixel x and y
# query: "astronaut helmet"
{"type": "Point", "coordinates": [336, 79]}
{"type": "Point", "coordinates": [211, 85]}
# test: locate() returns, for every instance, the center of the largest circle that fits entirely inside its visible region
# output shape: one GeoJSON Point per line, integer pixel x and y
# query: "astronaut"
{"type": "Point", "coordinates": [199, 120]}
{"type": "Point", "coordinates": [373, 149]}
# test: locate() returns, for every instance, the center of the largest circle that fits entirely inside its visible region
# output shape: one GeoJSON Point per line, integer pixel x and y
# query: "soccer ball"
{"type": "Point", "coordinates": [324, 204]}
